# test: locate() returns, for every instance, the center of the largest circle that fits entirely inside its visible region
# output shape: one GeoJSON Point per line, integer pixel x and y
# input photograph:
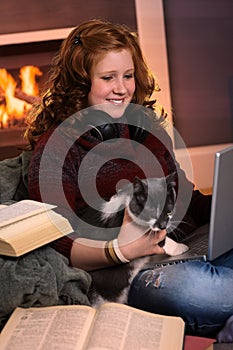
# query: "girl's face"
{"type": "Point", "coordinates": [112, 82]}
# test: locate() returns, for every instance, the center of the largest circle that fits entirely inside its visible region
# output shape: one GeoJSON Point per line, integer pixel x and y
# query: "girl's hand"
{"type": "Point", "coordinates": [136, 241]}
{"type": "Point", "coordinates": [133, 241]}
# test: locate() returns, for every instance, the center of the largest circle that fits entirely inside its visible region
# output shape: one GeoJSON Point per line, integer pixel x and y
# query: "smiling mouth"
{"type": "Point", "coordinates": [116, 102]}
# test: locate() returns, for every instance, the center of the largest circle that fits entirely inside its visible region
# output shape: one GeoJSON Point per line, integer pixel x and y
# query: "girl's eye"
{"type": "Point", "coordinates": [129, 76]}
{"type": "Point", "coordinates": [107, 78]}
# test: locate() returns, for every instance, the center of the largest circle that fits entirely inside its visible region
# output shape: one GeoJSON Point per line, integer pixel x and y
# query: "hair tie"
{"type": "Point", "coordinates": [77, 40]}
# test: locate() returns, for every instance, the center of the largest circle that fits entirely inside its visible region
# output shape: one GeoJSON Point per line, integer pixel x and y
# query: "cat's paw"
{"type": "Point", "coordinates": [173, 248]}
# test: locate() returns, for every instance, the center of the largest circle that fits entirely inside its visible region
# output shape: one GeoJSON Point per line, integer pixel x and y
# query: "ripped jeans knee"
{"type": "Point", "coordinates": [154, 278]}
{"type": "Point", "coordinates": [197, 291]}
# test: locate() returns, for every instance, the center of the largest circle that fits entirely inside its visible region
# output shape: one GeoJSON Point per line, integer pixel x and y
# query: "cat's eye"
{"type": "Point", "coordinates": [169, 213]}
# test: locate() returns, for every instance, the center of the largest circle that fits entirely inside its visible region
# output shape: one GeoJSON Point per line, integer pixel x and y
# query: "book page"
{"type": "Point", "coordinates": [119, 327]}
{"type": "Point", "coordinates": [29, 228]}
{"type": "Point", "coordinates": [20, 210]}
{"type": "Point", "coordinates": [33, 232]}
{"type": "Point", "coordinates": [55, 327]}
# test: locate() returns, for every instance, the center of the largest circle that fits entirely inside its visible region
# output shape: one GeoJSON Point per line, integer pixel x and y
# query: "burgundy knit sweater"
{"type": "Point", "coordinates": [72, 173]}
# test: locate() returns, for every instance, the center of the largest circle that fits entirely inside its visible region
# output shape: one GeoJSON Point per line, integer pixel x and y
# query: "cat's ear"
{"type": "Point", "coordinates": [138, 184]}
{"type": "Point", "coordinates": [171, 180]}
{"type": "Point", "coordinates": [171, 185]}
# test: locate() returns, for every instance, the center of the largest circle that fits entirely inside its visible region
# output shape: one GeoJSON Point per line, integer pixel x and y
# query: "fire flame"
{"type": "Point", "coordinates": [28, 76]}
{"type": "Point", "coordinates": [13, 108]}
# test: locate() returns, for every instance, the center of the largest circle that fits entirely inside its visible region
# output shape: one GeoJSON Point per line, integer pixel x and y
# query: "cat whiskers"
{"type": "Point", "coordinates": [154, 231]}
{"type": "Point", "coordinates": [150, 232]}
{"type": "Point", "coordinates": [176, 231]}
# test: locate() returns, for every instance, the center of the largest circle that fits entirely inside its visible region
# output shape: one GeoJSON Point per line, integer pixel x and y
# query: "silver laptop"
{"type": "Point", "coordinates": [211, 241]}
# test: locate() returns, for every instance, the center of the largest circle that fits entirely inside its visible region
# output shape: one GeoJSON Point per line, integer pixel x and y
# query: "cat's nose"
{"type": "Point", "coordinates": [162, 225]}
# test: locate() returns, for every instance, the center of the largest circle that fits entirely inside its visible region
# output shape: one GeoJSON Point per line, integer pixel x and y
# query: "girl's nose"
{"type": "Point", "coordinates": [119, 87]}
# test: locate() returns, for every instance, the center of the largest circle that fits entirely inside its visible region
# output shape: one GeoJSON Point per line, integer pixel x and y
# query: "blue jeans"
{"type": "Point", "coordinates": [200, 292]}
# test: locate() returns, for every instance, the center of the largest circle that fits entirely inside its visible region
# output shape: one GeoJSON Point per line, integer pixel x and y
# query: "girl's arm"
{"type": "Point", "coordinates": [133, 243]}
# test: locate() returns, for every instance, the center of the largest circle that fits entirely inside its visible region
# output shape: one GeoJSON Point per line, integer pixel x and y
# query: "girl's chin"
{"type": "Point", "coordinates": [115, 111]}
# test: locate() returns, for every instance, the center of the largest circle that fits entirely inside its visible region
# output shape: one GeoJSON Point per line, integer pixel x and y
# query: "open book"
{"type": "Point", "coordinates": [77, 327]}
{"type": "Point", "coordinates": [27, 225]}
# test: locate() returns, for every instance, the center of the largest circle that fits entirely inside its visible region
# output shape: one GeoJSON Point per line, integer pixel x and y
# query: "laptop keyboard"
{"type": "Point", "coordinates": [198, 242]}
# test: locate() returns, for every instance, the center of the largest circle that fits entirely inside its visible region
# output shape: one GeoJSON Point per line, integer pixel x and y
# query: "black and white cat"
{"type": "Point", "coordinates": [150, 203]}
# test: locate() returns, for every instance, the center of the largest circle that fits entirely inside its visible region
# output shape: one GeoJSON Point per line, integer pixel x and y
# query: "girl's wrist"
{"type": "Point", "coordinates": [118, 252]}
{"type": "Point", "coordinates": [114, 254]}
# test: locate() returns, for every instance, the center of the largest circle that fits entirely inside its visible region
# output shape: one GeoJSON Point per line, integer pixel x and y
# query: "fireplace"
{"type": "Point", "coordinates": [24, 65]}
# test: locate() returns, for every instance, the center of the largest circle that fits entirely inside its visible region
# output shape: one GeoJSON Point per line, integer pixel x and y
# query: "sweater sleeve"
{"type": "Point", "coordinates": [46, 185]}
